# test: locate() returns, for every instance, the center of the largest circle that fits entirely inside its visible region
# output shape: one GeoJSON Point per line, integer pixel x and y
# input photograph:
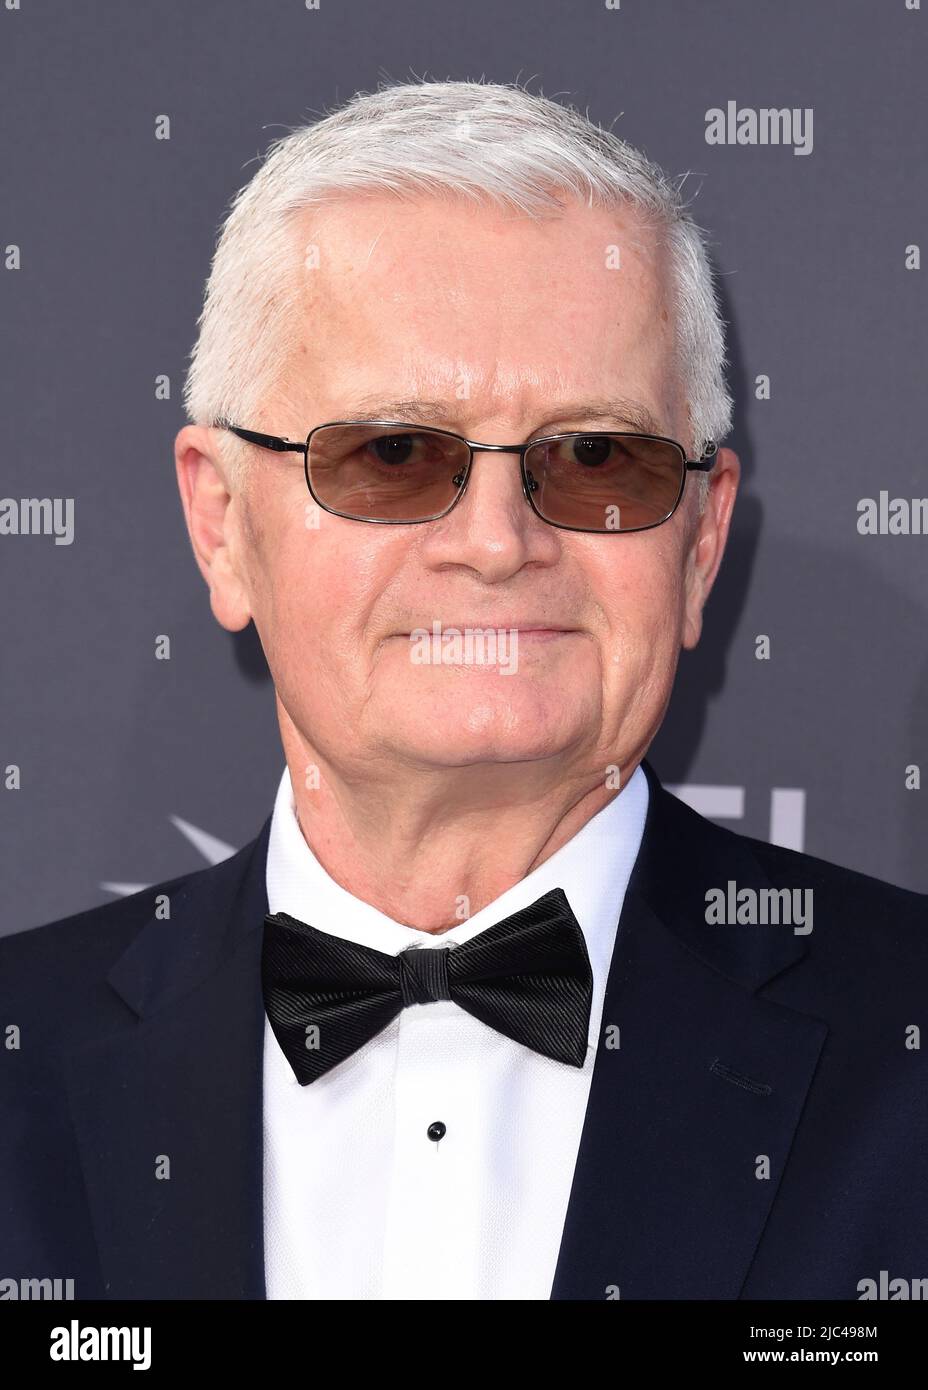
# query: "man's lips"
{"type": "Point", "coordinates": [527, 629]}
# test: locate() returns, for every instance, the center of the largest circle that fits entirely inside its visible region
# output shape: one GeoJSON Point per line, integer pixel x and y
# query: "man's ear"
{"type": "Point", "coordinates": [708, 540]}
{"type": "Point", "coordinates": [212, 513]}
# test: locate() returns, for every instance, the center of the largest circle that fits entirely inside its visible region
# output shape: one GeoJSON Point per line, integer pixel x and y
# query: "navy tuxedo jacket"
{"type": "Point", "coordinates": [760, 1131]}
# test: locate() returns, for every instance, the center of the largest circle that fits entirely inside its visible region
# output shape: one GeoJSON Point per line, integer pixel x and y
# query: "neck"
{"type": "Point", "coordinates": [431, 849]}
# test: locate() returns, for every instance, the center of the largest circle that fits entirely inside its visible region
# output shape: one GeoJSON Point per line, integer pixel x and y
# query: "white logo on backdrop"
{"type": "Point", "coordinates": [787, 809]}
{"type": "Point", "coordinates": [212, 849]}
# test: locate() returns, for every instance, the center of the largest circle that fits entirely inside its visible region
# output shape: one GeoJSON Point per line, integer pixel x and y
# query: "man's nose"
{"type": "Point", "coordinates": [492, 528]}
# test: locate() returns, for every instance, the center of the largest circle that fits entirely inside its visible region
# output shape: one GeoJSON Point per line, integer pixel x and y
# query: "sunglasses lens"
{"type": "Point", "coordinates": [385, 472]}
{"type": "Point", "coordinates": [605, 482]}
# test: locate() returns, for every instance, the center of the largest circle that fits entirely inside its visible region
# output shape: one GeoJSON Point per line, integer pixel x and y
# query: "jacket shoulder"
{"type": "Point", "coordinates": [57, 972]}
{"type": "Point", "coordinates": [84, 935]}
{"type": "Point", "coordinates": [788, 867]}
{"type": "Point", "coordinates": [859, 923]}
{"type": "Point", "coordinates": [865, 889]}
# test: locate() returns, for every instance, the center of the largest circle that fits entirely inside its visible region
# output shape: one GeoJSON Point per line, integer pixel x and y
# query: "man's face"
{"type": "Point", "coordinates": [511, 326]}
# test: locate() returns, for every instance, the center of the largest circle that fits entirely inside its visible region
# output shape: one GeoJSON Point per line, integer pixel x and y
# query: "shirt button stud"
{"type": "Point", "coordinates": [436, 1131]}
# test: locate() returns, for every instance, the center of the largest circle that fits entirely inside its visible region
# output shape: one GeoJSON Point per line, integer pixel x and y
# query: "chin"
{"type": "Point", "coordinates": [489, 754]}
{"type": "Point", "coordinates": [492, 740]}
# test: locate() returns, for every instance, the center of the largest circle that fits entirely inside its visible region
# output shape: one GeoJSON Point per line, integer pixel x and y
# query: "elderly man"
{"type": "Point", "coordinates": [483, 1012]}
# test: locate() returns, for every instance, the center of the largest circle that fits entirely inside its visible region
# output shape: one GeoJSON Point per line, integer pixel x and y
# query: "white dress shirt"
{"type": "Point", "coordinates": [358, 1202]}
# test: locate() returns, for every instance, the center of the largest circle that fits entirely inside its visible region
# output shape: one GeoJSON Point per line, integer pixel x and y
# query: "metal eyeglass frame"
{"type": "Point", "coordinates": [529, 485]}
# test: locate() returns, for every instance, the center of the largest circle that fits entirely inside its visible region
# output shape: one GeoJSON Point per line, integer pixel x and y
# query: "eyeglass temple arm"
{"type": "Point", "coordinates": [706, 458]}
{"type": "Point", "coordinates": [264, 441]}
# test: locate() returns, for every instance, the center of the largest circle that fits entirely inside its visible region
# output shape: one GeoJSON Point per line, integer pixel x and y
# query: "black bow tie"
{"type": "Point", "coordinates": [528, 977]}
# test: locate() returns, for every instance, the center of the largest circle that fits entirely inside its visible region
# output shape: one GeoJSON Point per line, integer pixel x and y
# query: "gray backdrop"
{"type": "Point", "coordinates": [134, 770]}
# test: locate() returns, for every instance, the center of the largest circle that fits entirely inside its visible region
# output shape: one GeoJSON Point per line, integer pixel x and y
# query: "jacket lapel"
{"type": "Point", "coordinates": [703, 1093]}
{"type": "Point", "coordinates": [167, 1105]}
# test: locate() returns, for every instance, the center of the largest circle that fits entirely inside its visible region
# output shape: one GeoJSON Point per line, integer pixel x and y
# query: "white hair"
{"type": "Point", "coordinates": [479, 140]}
